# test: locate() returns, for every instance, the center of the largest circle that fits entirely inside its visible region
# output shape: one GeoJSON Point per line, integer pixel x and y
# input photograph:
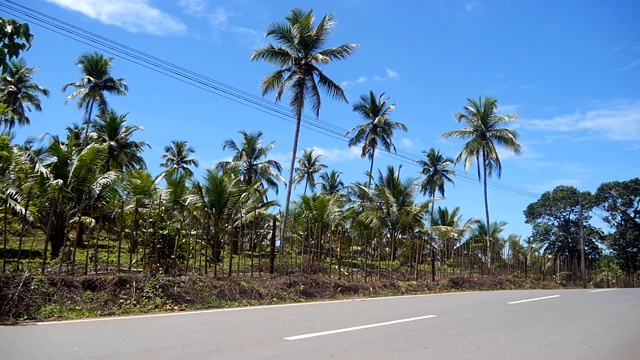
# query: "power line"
{"type": "Point", "coordinates": [208, 84]}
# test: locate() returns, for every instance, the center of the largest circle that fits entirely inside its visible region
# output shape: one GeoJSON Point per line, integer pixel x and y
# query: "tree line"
{"type": "Point", "coordinates": [85, 201]}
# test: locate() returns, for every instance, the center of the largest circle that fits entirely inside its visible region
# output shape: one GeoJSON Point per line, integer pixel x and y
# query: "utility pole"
{"type": "Point", "coordinates": [582, 262]}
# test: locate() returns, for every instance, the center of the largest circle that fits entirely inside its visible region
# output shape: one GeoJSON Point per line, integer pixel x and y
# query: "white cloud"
{"type": "Point", "coordinates": [135, 16]}
{"type": "Point", "coordinates": [194, 7]}
{"type": "Point", "coordinates": [507, 109]}
{"type": "Point", "coordinates": [338, 154]}
{"type": "Point", "coordinates": [469, 6]}
{"type": "Point", "coordinates": [407, 144]}
{"type": "Point", "coordinates": [619, 121]}
{"type": "Point", "coordinates": [219, 18]}
{"type": "Point", "coordinates": [389, 75]}
{"type": "Point", "coordinates": [361, 79]}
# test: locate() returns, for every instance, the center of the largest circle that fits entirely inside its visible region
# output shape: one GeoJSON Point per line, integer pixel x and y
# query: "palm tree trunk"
{"type": "Point", "coordinates": [486, 209]}
{"type": "Point", "coordinates": [23, 228]}
{"type": "Point", "coordinates": [6, 216]}
{"type": "Point", "coordinates": [373, 153]}
{"type": "Point", "coordinates": [283, 235]}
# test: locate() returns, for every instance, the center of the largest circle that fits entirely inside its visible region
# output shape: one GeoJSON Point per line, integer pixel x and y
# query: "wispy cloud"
{"type": "Point", "coordinates": [193, 7]}
{"type": "Point", "coordinates": [337, 155]}
{"type": "Point", "coordinates": [407, 144]}
{"type": "Point", "coordinates": [135, 16]}
{"type": "Point", "coordinates": [389, 75]}
{"type": "Point", "coordinates": [630, 66]}
{"type": "Point", "coordinates": [619, 121]}
{"type": "Point", "coordinates": [220, 20]}
{"type": "Point", "coordinates": [469, 6]}
{"type": "Point", "coordinates": [552, 184]}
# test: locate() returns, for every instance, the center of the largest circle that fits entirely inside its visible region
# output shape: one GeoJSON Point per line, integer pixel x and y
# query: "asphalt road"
{"type": "Point", "coordinates": [536, 324]}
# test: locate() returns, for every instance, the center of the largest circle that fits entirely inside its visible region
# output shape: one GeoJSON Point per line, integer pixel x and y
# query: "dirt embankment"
{"type": "Point", "coordinates": [34, 297]}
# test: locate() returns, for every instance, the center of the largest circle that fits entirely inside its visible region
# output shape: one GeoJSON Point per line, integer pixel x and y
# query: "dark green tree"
{"type": "Point", "coordinates": [557, 218]}
{"type": "Point", "coordinates": [15, 37]}
{"type": "Point", "coordinates": [620, 201]}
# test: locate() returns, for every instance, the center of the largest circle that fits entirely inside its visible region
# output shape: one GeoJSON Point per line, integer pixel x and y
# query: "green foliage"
{"type": "Point", "coordinates": [15, 38]}
{"type": "Point", "coordinates": [620, 200]}
{"type": "Point", "coordinates": [557, 217]}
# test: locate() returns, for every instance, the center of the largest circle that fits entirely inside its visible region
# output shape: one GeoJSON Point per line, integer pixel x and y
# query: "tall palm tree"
{"type": "Point", "coordinates": [250, 161]}
{"type": "Point", "coordinates": [96, 80]}
{"type": "Point", "coordinates": [299, 51]}
{"type": "Point", "coordinates": [378, 130]}
{"type": "Point", "coordinates": [435, 168]}
{"type": "Point", "coordinates": [122, 152]}
{"type": "Point", "coordinates": [18, 92]}
{"type": "Point", "coordinates": [484, 130]}
{"type": "Point", "coordinates": [177, 157]}
{"type": "Point", "coordinates": [308, 166]}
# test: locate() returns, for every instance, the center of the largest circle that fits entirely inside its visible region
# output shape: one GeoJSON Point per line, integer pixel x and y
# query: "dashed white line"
{"type": "Point", "coordinates": [322, 333]}
{"type": "Point", "coordinates": [535, 299]}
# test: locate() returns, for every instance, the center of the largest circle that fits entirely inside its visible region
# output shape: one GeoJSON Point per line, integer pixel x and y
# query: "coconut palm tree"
{"type": "Point", "coordinates": [96, 80]}
{"type": "Point", "coordinates": [250, 161]}
{"type": "Point", "coordinates": [19, 94]}
{"type": "Point", "coordinates": [122, 152]}
{"type": "Point", "coordinates": [378, 130]}
{"type": "Point", "coordinates": [299, 51]}
{"type": "Point", "coordinates": [218, 194]}
{"type": "Point", "coordinates": [391, 206]}
{"type": "Point", "coordinates": [484, 131]}
{"type": "Point", "coordinates": [308, 166]}
{"type": "Point", "coordinates": [330, 182]}
{"type": "Point", "coordinates": [75, 182]}
{"type": "Point", "coordinates": [177, 158]}
{"type": "Point", "coordinates": [435, 168]}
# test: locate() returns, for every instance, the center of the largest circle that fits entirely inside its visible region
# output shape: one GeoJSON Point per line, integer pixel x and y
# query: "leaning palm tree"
{"type": "Point", "coordinates": [308, 166]}
{"type": "Point", "coordinates": [378, 130]}
{"type": "Point", "coordinates": [122, 153]}
{"type": "Point", "coordinates": [19, 94]}
{"type": "Point", "coordinates": [299, 52]}
{"type": "Point", "coordinates": [484, 130]}
{"type": "Point", "coordinates": [177, 158]}
{"type": "Point", "coordinates": [250, 161]}
{"type": "Point", "coordinates": [96, 80]}
{"type": "Point", "coordinates": [435, 168]}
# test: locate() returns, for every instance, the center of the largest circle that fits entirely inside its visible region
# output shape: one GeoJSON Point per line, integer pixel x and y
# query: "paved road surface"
{"type": "Point", "coordinates": [537, 324]}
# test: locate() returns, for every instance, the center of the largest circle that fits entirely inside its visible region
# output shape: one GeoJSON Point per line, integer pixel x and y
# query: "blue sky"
{"type": "Point", "coordinates": [570, 69]}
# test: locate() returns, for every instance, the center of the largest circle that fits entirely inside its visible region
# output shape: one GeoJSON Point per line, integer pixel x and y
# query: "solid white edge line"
{"type": "Point", "coordinates": [601, 290]}
{"type": "Point", "coordinates": [536, 299]}
{"type": "Point", "coordinates": [305, 336]}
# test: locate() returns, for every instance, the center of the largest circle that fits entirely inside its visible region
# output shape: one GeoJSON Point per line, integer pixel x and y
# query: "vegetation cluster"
{"type": "Point", "coordinates": [83, 204]}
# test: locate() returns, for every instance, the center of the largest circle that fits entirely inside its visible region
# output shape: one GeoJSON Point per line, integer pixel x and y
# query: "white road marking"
{"type": "Point", "coordinates": [536, 299]}
{"type": "Point", "coordinates": [298, 337]}
{"type": "Point", "coordinates": [600, 290]}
